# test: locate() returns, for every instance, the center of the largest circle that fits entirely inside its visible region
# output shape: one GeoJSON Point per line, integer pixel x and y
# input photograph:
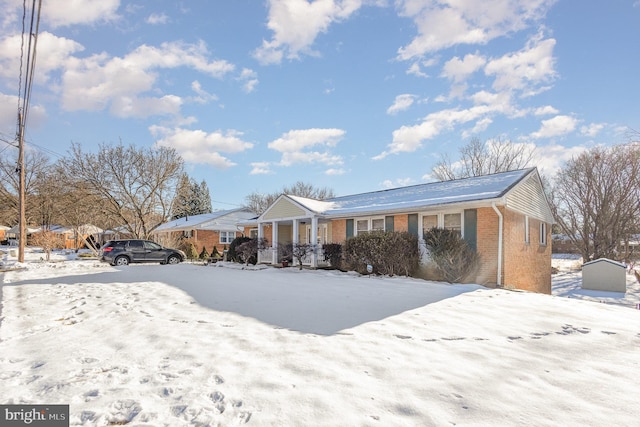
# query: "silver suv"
{"type": "Point", "coordinates": [124, 252]}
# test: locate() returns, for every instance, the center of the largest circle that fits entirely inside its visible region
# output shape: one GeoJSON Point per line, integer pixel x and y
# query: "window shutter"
{"type": "Point", "coordinates": [349, 228]}
{"type": "Point", "coordinates": [471, 228]}
{"type": "Point", "coordinates": [388, 223]}
{"type": "Point", "coordinates": [413, 224]}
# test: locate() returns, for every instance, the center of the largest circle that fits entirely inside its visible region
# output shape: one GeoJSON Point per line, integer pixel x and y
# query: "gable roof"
{"type": "Point", "coordinates": [218, 220]}
{"type": "Point", "coordinates": [474, 189]}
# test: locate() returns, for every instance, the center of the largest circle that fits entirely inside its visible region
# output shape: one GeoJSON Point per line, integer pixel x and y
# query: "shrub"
{"type": "Point", "coordinates": [451, 254]}
{"type": "Point", "coordinates": [300, 252]}
{"type": "Point", "coordinates": [388, 253]}
{"type": "Point", "coordinates": [214, 253]}
{"type": "Point", "coordinates": [232, 254]}
{"type": "Point", "coordinates": [333, 254]}
{"type": "Point", "coordinates": [247, 251]}
{"type": "Point", "coordinates": [191, 251]}
{"type": "Point", "coordinates": [204, 254]}
{"type": "Point", "coordinates": [285, 252]}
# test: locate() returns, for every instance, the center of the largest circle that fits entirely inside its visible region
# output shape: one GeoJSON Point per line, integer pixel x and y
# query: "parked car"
{"type": "Point", "coordinates": [124, 252]}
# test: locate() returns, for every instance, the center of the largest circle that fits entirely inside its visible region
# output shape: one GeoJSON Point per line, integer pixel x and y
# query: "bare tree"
{"type": "Point", "coordinates": [36, 165]}
{"type": "Point", "coordinates": [596, 199]}
{"type": "Point", "coordinates": [483, 158]}
{"type": "Point", "coordinates": [258, 202]}
{"type": "Point", "coordinates": [135, 185]}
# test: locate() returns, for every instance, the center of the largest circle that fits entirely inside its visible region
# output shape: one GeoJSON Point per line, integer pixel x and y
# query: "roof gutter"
{"type": "Point", "coordinates": [500, 227]}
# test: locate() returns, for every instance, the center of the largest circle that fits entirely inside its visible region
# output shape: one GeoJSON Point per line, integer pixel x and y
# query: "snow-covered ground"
{"type": "Point", "coordinates": [152, 345]}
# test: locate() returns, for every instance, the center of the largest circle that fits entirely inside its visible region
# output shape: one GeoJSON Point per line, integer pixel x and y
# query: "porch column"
{"type": "Point", "coordinates": [314, 241]}
{"type": "Point", "coordinates": [294, 238]}
{"type": "Point", "coordinates": [260, 231]}
{"type": "Point", "coordinates": [274, 241]}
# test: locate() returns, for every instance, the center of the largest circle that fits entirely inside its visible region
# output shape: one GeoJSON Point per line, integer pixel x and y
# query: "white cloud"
{"type": "Point", "coordinates": [445, 23]}
{"type": "Point", "coordinates": [458, 70]}
{"type": "Point", "coordinates": [157, 19]}
{"type": "Point", "coordinates": [335, 172]}
{"type": "Point", "coordinates": [408, 139]}
{"type": "Point", "coordinates": [401, 103]}
{"type": "Point", "coordinates": [526, 69]}
{"type": "Point", "coordinates": [200, 147]}
{"type": "Point", "coordinates": [95, 82]}
{"type": "Point", "coordinates": [296, 146]}
{"type": "Point", "coordinates": [203, 96]}
{"type": "Point", "coordinates": [551, 158]}
{"type": "Point", "coordinates": [296, 24]}
{"type": "Point", "coordinates": [556, 126]}
{"type": "Point", "coordinates": [59, 13]}
{"type": "Point", "coordinates": [545, 111]}
{"type": "Point", "coordinates": [249, 79]}
{"type": "Point", "coordinates": [592, 129]}
{"type": "Point", "coordinates": [260, 168]}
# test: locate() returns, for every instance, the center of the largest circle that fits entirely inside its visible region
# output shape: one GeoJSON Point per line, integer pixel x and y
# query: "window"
{"type": "Point", "coordinates": [377, 224]}
{"type": "Point", "coordinates": [453, 222]}
{"type": "Point", "coordinates": [429, 222]}
{"type": "Point", "coordinates": [152, 246]}
{"type": "Point", "coordinates": [362, 226]}
{"type": "Point", "coordinates": [253, 233]}
{"type": "Point", "coordinates": [187, 234]}
{"type": "Point", "coordinates": [526, 229]}
{"type": "Point", "coordinates": [543, 233]}
{"type": "Point", "coordinates": [227, 236]}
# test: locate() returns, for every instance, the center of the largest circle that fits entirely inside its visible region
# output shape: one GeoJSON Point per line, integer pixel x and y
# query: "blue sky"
{"type": "Point", "coordinates": [354, 95]}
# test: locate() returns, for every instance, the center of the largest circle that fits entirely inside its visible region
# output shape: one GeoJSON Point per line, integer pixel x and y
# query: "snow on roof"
{"type": "Point", "coordinates": [205, 220]}
{"type": "Point", "coordinates": [432, 194]}
{"type": "Point", "coordinates": [318, 206]}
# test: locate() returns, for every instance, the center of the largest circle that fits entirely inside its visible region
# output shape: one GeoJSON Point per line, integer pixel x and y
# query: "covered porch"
{"type": "Point", "coordinates": [297, 231]}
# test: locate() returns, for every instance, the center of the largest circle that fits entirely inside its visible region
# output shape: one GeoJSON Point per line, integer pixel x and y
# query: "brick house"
{"type": "Point", "coordinates": [505, 217]}
{"type": "Point", "coordinates": [206, 230]}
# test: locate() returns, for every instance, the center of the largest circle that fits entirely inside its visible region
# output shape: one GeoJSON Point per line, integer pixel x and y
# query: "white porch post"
{"type": "Point", "coordinates": [274, 241]}
{"type": "Point", "coordinates": [296, 228]}
{"type": "Point", "coordinates": [260, 231]}
{"type": "Point", "coordinates": [314, 241]}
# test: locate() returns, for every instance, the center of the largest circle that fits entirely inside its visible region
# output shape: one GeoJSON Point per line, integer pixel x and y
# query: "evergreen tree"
{"type": "Point", "coordinates": [191, 198]}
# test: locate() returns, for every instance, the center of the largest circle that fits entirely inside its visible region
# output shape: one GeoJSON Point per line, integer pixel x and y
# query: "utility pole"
{"type": "Point", "coordinates": [22, 233]}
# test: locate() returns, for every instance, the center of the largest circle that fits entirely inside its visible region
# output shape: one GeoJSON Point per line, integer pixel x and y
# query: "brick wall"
{"type": "Point", "coordinates": [401, 223]}
{"type": "Point", "coordinates": [487, 242]}
{"type": "Point", "coordinates": [339, 231]}
{"type": "Point", "coordinates": [528, 265]}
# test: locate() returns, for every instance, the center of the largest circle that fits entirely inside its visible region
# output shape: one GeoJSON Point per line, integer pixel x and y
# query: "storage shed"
{"type": "Point", "coordinates": [604, 275]}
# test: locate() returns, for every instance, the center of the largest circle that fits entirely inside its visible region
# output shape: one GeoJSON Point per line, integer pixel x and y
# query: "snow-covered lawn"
{"type": "Point", "coordinates": [153, 345]}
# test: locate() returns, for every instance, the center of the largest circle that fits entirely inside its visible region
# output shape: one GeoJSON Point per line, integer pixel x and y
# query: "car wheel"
{"type": "Point", "coordinates": [173, 259]}
{"type": "Point", "coordinates": [122, 260]}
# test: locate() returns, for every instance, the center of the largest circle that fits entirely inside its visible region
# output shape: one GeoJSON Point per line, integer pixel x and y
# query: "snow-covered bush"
{"type": "Point", "coordinates": [333, 253]}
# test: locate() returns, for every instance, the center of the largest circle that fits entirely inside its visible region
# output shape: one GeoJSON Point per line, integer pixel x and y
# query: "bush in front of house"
{"type": "Point", "coordinates": [333, 253]}
{"type": "Point", "coordinates": [388, 252]}
{"type": "Point", "coordinates": [247, 251]}
{"type": "Point", "coordinates": [215, 253]}
{"type": "Point", "coordinates": [204, 254]}
{"type": "Point", "coordinates": [451, 254]}
{"type": "Point", "coordinates": [190, 251]}
{"type": "Point", "coordinates": [232, 253]}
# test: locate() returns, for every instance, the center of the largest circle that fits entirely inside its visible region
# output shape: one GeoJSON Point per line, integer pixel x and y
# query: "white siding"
{"type": "Point", "coordinates": [283, 208]}
{"type": "Point", "coordinates": [604, 275]}
{"type": "Point", "coordinates": [528, 198]}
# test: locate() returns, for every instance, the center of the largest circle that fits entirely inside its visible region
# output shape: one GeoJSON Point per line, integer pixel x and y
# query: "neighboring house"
{"type": "Point", "coordinates": [3, 231]}
{"type": "Point", "coordinates": [505, 217]}
{"type": "Point", "coordinates": [206, 230]}
{"type": "Point", "coordinates": [73, 237]}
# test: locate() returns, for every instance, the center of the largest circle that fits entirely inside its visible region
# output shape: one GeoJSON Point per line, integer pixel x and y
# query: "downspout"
{"type": "Point", "coordinates": [500, 226]}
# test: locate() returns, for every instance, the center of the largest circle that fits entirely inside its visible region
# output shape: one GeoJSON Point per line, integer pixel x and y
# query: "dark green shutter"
{"type": "Point", "coordinates": [388, 223]}
{"type": "Point", "coordinates": [471, 228]}
{"type": "Point", "coordinates": [413, 224]}
{"type": "Point", "coordinates": [349, 228]}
